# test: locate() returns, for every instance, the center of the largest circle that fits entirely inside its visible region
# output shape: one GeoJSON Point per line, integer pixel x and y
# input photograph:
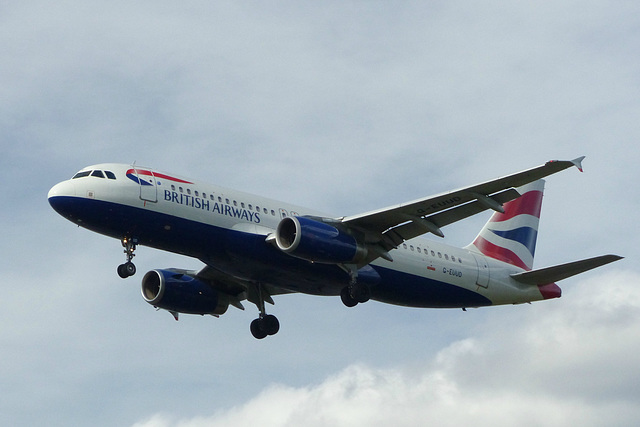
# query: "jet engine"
{"type": "Point", "coordinates": [317, 241]}
{"type": "Point", "coordinates": [177, 291]}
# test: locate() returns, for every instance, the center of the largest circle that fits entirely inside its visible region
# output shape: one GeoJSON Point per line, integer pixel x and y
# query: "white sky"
{"type": "Point", "coordinates": [344, 107]}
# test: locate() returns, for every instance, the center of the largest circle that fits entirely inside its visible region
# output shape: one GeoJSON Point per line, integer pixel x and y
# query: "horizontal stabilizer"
{"type": "Point", "coordinates": [543, 276]}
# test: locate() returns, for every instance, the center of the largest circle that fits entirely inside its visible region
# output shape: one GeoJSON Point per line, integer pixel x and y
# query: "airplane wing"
{"type": "Point", "coordinates": [391, 226]}
{"type": "Point", "coordinates": [544, 276]}
{"type": "Point", "coordinates": [237, 289]}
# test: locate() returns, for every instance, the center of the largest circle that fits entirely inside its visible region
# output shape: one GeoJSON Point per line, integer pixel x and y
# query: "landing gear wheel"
{"type": "Point", "coordinates": [354, 294]}
{"type": "Point", "coordinates": [256, 329]}
{"type": "Point", "coordinates": [347, 299]}
{"type": "Point", "coordinates": [360, 292]}
{"type": "Point", "coordinates": [271, 324]}
{"type": "Point", "coordinates": [263, 326]}
{"type": "Point", "coordinates": [127, 269]}
{"type": "Point", "coordinates": [121, 272]}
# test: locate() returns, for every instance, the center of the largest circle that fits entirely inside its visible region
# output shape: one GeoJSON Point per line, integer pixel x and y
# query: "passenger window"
{"type": "Point", "coordinates": [110, 174]}
{"type": "Point", "coordinates": [188, 191]}
{"type": "Point", "coordinates": [98, 174]}
{"type": "Point", "coordinates": [265, 211]}
{"type": "Point", "coordinates": [219, 199]}
{"type": "Point", "coordinates": [235, 203]}
{"type": "Point", "coordinates": [439, 255]}
{"type": "Point", "coordinates": [404, 245]}
{"type": "Point", "coordinates": [433, 253]}
{"type": "Point", "coordinates": [273, 213]}
{"type": "Point", "coordinates": [419, 250]}
{"type": "Point", "coordinates": [173, 187]}
{"type": "Point", "coordinates": [242, 205]}
{"type": "Point", "coordinates": [250, 207]}
{"type": "Point", "coordinates": [196, 193]}
{"type": "Point", "coordinates": [411, 247]}
{"type": "Point", "coordinates": [446, 257]}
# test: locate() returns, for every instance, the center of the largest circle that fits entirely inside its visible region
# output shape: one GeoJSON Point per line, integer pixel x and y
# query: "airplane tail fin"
{"type": "Point", "coordinates": [511, 236]}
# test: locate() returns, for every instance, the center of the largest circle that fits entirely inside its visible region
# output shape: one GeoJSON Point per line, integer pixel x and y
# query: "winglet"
{"type": "Point", "coordinates": [575, 162]}
{"type": "Point", "coordinates": [578, 163]}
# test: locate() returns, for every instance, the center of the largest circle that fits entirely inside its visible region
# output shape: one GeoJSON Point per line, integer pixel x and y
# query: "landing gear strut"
{"type": "Point", "coordinates": [265, 324]}
{"type": "Point", "coordinates": [128, 269]}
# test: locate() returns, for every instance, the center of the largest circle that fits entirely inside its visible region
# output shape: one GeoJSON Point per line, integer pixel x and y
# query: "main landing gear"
{"type": "Point", "coordinates": [355, 292]}
{"type": "Point", "coordinates": [265, 324]}
{"type": "Point", "coordinates": [128, 269]}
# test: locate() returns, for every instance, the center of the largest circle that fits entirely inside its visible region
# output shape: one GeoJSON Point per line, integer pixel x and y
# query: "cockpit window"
{"type": "Point", "coordinates": [97, 174]}
{"type": "Point", "coordinates": [110, 174]}
{"type": "Point", "coordinates": [82, 174]}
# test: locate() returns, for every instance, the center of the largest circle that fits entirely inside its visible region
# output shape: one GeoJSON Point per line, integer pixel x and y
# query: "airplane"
{"type": "Point", "coordinates": [254, 248]}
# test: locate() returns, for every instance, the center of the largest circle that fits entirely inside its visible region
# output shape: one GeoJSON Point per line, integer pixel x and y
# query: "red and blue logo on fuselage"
{"type": "Point", "coordinates": [136, 175]}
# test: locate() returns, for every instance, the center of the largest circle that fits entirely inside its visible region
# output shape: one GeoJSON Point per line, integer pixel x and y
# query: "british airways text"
{"type": "Point", "coordinates": [215, 207]}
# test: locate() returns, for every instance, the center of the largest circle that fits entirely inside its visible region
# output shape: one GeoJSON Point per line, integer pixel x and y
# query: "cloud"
{"type": "Point", "coordinates": [568, 362]}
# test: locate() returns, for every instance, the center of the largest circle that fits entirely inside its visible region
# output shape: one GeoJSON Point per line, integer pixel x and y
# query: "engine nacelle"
{"type": "Point", "coordinates": [179, 292]}
{"type": "Point", "coordinates": [317, 241]}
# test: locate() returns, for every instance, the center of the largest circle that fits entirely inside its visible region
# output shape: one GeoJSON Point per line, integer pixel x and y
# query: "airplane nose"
{"type": "Point", "coordinates": [59, 196]}
{"type": "Point", "coordinates": [64, 188]}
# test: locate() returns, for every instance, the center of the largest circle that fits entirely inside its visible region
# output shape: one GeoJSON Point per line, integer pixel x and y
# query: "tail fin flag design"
{"type": "Point", "coordinates": [511, 236]}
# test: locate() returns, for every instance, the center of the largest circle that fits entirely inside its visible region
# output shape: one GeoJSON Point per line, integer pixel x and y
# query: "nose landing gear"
{"type": "Point", "coordinates": [128, 269]}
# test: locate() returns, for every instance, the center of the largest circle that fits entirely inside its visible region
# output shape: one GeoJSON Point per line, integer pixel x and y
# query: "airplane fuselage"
{"type": "Point", "coordinates": [230, 230]}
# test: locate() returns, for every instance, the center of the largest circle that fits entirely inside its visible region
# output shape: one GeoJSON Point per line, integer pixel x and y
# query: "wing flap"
{"type": "Point", "coordinates": [238, 289]}
{"type": "Point", "coordinates": [544, 276]}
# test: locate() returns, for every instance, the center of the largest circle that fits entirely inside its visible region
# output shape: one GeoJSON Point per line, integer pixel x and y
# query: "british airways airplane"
{"type": "Point", "coordinates": [255, 248]}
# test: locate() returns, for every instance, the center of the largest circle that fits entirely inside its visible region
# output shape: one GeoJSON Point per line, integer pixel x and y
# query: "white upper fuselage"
{"type": "Point", "coordinates": [173, 204]}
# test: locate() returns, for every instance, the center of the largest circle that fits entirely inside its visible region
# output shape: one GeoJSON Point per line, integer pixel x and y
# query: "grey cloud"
{"type": "Point", "coordinates": [556, 365]}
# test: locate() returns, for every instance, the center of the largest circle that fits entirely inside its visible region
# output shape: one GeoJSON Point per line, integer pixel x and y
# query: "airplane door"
{"type": "Point", "coordinates": [148, 188]}
{"type": "Point", "coordinates": [483, 270]}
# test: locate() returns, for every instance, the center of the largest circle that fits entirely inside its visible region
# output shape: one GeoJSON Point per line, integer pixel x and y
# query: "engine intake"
{"type": "Point", "coordinates": [317, 241]}
{"type": "Point", "coordinates": [176, 291]}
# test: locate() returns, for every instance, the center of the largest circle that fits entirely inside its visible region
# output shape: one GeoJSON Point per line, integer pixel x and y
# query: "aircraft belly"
{"type": "Point", "coordinates": [410, 290]}
{"type": "Point", "coordinates": [150, 228]}
{"type": "Point", "coordinates": [248, 256]}
{"type": "Point", "coordinates": [254, 259]}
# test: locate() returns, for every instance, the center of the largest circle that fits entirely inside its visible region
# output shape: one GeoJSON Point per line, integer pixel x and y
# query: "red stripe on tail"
{"type": "Point", "coordinates": [528, 204]}
{"type": "Point", "coordinates": [499, 253]}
